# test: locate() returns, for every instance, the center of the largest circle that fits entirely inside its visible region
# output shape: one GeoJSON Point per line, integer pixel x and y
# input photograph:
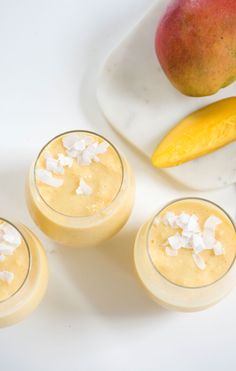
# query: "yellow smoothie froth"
{"type": "Point", "coordinates": [181, 269]}
{"type": "Point", "coordinates": [103, 177]}
{"type": "Point", "coordinates": [17, 265]}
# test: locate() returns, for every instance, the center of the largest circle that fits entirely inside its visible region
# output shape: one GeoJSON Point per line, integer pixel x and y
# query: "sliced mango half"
{"type": "Point", "coordinates": [200, 133]}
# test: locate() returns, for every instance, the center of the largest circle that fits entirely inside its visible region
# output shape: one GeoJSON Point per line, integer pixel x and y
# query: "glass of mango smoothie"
{"type": "Point", "coordinates": [185, 255]}
{"type": "Point", "coordinates": [80, 190]}
{"type": "Point", "coordinates": [23, 272]}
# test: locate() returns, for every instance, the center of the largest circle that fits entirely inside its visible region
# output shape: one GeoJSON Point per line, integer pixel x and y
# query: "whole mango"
{"type": "Point", "coordinates": [196, 45]}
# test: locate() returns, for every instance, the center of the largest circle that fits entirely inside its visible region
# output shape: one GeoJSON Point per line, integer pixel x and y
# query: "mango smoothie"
{"type": "Point", "coordinates": [23, 272]}
{"type": "Point", "coordinates": [185, 255]}
{"type": "Point", "coordinates": [80, 190]}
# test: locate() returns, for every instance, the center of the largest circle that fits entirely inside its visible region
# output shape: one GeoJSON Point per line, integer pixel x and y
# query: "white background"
{"type": "Point", "coordinates": [95, 315]}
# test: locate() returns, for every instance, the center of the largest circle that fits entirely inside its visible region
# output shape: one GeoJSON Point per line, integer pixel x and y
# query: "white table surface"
{"type": "Point", "coordinates": [95, 315]}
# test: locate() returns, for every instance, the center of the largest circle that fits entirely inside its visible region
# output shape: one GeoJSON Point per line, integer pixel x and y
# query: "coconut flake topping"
{"type": "Point", "coordinates": [65, 161]}
{"type": "Point", "coordinates": [56, 166]}
{"type": "Point", "coordinates": [199, 261]}
{"type": "Point", "coordinates": [46, 177]}
{"type": "Point", "coordinates": [84, 188]}
{"type": "Point", "coordinates": [191, 236]}
{"type": "Point", "coordinates": [10, 240]}
{"type": "Point", "coordinates": [84, 148]}
{"type": "Point", "coordinates": [171, 252]}
{"type": "Point", "coordinates": [6, 276]}
{"type": "Point", "coordinates": [10, 235]}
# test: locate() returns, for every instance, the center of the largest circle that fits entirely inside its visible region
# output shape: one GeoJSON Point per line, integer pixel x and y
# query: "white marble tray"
{"type": "Point", "coordinates": [141, 104]}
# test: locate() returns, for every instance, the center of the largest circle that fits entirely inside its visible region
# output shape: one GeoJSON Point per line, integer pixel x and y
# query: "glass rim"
{"type": "Point", "coordinates": [79, 217]}
{"type": "Point", "coordinates": [151, 225]}
{"type": "Point", "coordinates": [29, 264]}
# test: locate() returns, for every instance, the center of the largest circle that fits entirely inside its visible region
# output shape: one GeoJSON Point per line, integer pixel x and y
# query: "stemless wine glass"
{"type": "Point", "coordinates": [82, 230]}
{"type": "Point", "coordinates": [21, 296]}
{"type": "Point", "coordinates": [168, 293]}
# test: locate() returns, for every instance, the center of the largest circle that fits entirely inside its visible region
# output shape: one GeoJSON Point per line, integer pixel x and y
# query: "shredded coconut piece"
{"type": "Point", "coordinates": [189, 223]}
{"type": "Point", "coordinates": [187, 242]}
{"type": "Point", "coordinates": [70, 140]}
{"type": "Point", "coordinates": [65, 160]}
{"type": "Point", "coordinates": [84, 148]}
{"type": "Point", "coordinates": [170, 251]}
{"type": "Point", "coordinates": [193, 225]}
{"type": "Point", "coordinates": [102, 148]}
{"type": "Point", "coordinates": [170, 219]}
{"type": "Point", "coordinates": [198, 243]}
{"type": "Point", "coordinates": [209, 231]}
{"type": "Point", "coordinates": [91, 153]}
{"type": "Point", "coordinates": [10, 239]}
{"type": "Point", "coordinates": [199, 261]}
{"type": "Point", "coordinates": [187, 234]}
{"type": "Point", "coordinates": [54, 166]}
{"type": "Point", "coordinates": [84, 188]}
{"type": "Point", "coordinates": [218, 249]}
{"type": "Point", "coordinates": [10, 235]}
{"type": "Point", "coordinates": [209, 238]}
{"type": "Point", "coordinates": [176, 241]}
{"type": "Point", "coordinates": [76, 142]}
{"type": "Point", "coordinates": [46, 177]}
{"type": "Point", "coordinates": [6, 248]}
{"type": "Point", "coordinates": [2, 258]}
{"type": "Point", "coordinates": [191, 236]}
{"type": "Point", "coordinates": [212, 222]}
{"type": "Point", "coordinates": [6, 276]}
{"type": "Point", "coordinates": [182, 220]}
{"type": "Point", "coordinates": [72, 153]}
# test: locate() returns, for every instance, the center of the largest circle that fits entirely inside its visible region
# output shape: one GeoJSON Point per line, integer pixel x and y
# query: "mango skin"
{"type": "Point", "coordinates": [200, 133]}
{"type": "Point", "coordinates": [196, 45]}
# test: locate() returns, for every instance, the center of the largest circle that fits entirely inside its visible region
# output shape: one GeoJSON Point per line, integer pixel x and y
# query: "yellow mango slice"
{"type": "Point", "coordinates": [200, 133]}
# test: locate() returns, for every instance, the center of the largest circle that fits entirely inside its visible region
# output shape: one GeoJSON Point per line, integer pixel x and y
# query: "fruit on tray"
{"type": "Point", "coordinates": [198, 134]}
{"type": "Point", "coordinates": [196, 45]}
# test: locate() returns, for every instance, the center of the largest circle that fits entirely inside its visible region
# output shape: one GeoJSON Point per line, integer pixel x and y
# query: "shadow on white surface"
{"type": "Point", "coordinates": [102, 276]}
{"type": "Point", "coordinates": [12, 193]}
{"type": "Point", "coordinates": [105, 276]}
